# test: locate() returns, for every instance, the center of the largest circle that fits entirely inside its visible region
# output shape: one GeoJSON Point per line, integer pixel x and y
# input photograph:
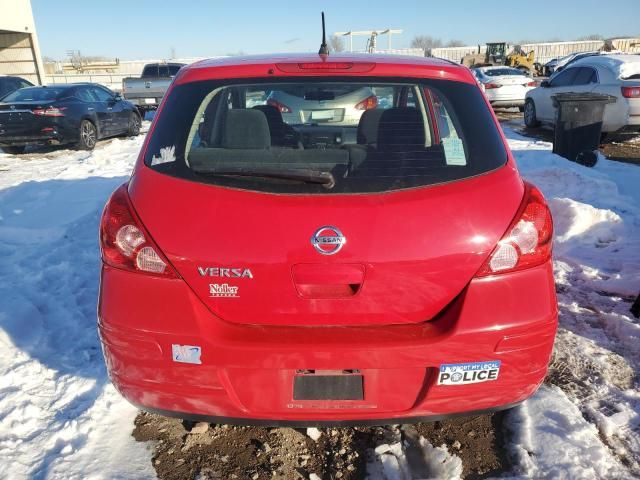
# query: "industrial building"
{"type": "Point", "coordinates": [19, 49]}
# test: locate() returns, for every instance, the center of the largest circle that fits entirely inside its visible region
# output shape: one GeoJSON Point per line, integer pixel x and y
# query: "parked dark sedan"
{"type": "Point", "coordinates": [10, 84]}
{"type": "Point", "coordinates": [78, 114]}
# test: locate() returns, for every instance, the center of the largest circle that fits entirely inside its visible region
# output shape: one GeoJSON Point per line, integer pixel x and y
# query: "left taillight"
{"type": "Point", "coordinates": [528, 241]}
{"type": "Point", "coordinates": [124, 242]}
{"type": "Point", "coordinates": [49, 111]}
{"type": "Point", "coordinates": [368, 103]}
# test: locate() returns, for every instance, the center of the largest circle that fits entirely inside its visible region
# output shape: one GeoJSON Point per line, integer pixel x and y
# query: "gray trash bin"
{"type": "Point", "coordinates": [578, 125]}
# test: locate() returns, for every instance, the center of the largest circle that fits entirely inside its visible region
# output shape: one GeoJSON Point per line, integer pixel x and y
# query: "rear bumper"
{"type": "Point", "coordinates": [514, 102]}
{"type": "Point", "coordinates": [141, 102]}
{"type": "Point", "coordinates": [39, 133]}
{"type": "Point", "coordinates": [53, 138]}
{"type": "Point", "coordinates": [246, 372]}
{"type": "Point", "coordinates": [320, 423]}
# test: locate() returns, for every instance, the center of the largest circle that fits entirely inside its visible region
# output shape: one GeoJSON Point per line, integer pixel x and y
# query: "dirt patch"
{"type": "Point", "coordinates": [624, 151]}
{"type": "Point", "coordinates": [478, 441]}
{"type": "Point", "coordinates": [234, 452]}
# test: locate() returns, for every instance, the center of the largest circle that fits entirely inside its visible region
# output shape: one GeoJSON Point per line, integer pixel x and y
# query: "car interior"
{"type": "Point", "coordinates": [406, 132]}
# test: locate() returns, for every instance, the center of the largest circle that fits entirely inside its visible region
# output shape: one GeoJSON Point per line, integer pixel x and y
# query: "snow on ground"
{"type": "Point", "coordinates": [60, 417]}
{"type": "Point", "coordinates": [590, 428]}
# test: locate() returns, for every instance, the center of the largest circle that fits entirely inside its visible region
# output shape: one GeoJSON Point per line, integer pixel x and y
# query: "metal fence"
{"type": "Point", "coordinates": [109, 80]}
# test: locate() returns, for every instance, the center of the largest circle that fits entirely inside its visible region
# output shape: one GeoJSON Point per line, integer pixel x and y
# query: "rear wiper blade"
{"type": "Point", "coordinates": [305, 175]}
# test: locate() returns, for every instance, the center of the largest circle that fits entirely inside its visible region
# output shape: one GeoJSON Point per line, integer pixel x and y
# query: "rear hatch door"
{"type": "Point", "coordinates": [250, 257]}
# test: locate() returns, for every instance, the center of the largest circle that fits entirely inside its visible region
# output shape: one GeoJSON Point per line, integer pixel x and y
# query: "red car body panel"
{"type": "Point", "coordinates": [395, 305]}
{"type": "Point", "coordinates": [410, 269]}
{"type": "Point", "coordinates": [246, 369]}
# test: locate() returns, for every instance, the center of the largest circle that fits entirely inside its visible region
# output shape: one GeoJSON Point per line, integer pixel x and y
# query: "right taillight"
{"type": "Point", "coordinates": [528, 241]}
{"type": "Point", "coordinates": [368, 103]}
{"type": "Point", "coordinates": [631, 92]}
{"type": "Point", "coordinates": [124, 242]}
{"type": "Point", "coordinates": [280, 106]}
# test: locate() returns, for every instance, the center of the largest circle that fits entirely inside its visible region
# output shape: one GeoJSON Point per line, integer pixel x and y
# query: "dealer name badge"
{"type": "Point", "coordinates": [465, 373]}
{"type": "Point", "coordinates": [223, 290]}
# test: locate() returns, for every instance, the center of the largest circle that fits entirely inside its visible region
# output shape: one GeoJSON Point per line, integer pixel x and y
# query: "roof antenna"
{"type": "Point", "coordinates": [324, 50]}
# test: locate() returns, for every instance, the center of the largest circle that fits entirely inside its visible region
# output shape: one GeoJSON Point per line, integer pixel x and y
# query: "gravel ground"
{"type": "Point", "coordinates": [182, 450]}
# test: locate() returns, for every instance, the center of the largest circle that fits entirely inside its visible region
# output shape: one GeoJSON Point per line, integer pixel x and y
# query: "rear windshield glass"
{"type": "Point", "coordinates": [36, 94]}
{"type": "Point", "coordinates": [324, 136]}
{"type": "Point", "coordinates": [500, 72]}
{"type": "Point", "coordinates": [161, 70]}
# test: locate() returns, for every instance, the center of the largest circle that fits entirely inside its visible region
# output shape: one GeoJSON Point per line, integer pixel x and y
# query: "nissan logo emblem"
{"type": "Point", "coordinates": [328, 240]}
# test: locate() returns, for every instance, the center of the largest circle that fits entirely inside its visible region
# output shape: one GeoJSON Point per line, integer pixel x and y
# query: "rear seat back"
{"type": "Point", "coordinates": [368, 127]}
{"type": "Point", "coordinates": [246, 143]}
{"type": "Point", "coordinates": [401, 130]}
{"type": "Point", "coordinates": [246, 129]}
{"type": "Point", "coordinates": [400, 145]}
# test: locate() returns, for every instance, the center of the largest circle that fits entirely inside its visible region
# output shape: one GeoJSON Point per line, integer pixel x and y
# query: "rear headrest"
{"type": "Point", "coordinates": [246, 129]}
{"type": "Point", "coordinates": [273, 114]}
{"type": "Point", "coordinates": [368, 126]}
{"type": "Point", "coordinates": [401, 130]}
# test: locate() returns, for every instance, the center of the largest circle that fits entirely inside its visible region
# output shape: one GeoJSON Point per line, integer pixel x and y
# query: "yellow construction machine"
{"type": "Point", "coordinates": [496, 55]}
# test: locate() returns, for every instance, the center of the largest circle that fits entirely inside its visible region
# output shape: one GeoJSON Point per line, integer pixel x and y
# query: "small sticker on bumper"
{"type": "Point", "coordinates": [186, 354]}
{"type": "Point", "coordinates": [465, 373]}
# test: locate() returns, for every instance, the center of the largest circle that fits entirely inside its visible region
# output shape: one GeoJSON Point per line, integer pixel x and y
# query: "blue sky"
{"type": "Point", "coordinates": [138, 29]}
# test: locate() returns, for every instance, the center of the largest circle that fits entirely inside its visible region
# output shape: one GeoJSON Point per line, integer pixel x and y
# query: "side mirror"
{"type": "Point", "coordinates": [545, 84]}
{"type": "Point", "coordinates": [117, 97]}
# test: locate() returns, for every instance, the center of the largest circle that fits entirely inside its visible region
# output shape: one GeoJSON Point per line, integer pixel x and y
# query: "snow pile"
{"type": "Point", "coordinates": [391, 462]}
{"type": "Point", "coordinates": [596, 213]}
{"type": "Point", "coordinates": [629, 68]}
{"type": "Point", "coordinates": [59, 415]}
{"type": "Point", "coordinates": [553, 440]}
{"type": "Point", "coordinates": [586, 432]}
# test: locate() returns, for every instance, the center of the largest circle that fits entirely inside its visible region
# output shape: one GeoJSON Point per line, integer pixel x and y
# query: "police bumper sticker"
{"type": "Point", "coordinates": [464, 373]}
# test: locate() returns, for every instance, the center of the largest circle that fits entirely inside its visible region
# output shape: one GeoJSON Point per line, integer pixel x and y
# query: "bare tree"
{"type": "Point", "coordinates": [455, 43]}
{"type": "Point", "coordinates": [426, 43]}
{"type": "Point", "coordinates": [593, 36]}
{"type": "Point", "coordinates": [336, 44]}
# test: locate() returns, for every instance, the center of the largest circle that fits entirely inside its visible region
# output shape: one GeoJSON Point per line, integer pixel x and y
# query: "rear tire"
{"type": "Point", "coordinates": [135, 123]}
{"type": "Point", "coordinates": [530, 119]}
{"type": "Point", "coordinates": [14, 150]}
{"type": "Point", "coordinates": [521, 108]}
{"type": "Point", "coordinates": [88, 135]}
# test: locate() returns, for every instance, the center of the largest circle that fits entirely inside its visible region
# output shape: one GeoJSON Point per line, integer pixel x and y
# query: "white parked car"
{"type": "Point", "coordinates": [504, 86]}
{"type": "Point", "coordinates": [617, 75]}
{"type": "Point", "coordinates": [558, 64]}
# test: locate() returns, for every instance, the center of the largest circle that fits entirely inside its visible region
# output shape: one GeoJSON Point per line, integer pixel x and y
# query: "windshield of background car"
{"type": "Point", "coordinates": [290, 135]}
{"type": "Point", "coordinates": [36, 94]}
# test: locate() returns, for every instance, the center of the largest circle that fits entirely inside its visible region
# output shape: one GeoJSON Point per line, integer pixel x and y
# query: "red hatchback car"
{"type": "Point", "coordinates": [392, 266]}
